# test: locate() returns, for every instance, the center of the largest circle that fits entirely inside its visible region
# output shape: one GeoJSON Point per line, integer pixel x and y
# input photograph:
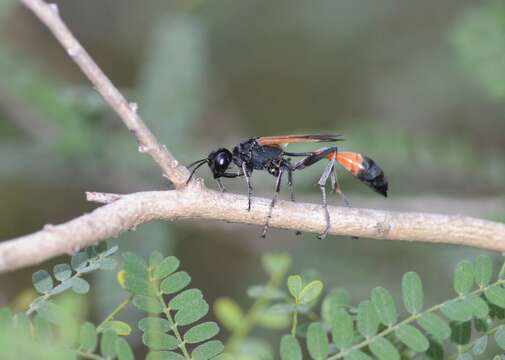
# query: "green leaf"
{"type": "Point", "coordinates": [175, 282]}
{"type": "Point", "coordinates": [496, 295]}
{"type": "Point", "coordinates": [138, 285]}
{"type": "Point", "coordinates": [342, 329]}
{"type": "Point", "coordinates": [190, 314]}
{"type": "Point", "coordinates": [155, 258]}
{"type": "Point", "coordinates": [311, 292]}
{"type": "Point", "coordinates": [79, 261]}
{"type": "Point", "coordinates": [166, 267]}
{"type": "Point", "coordinates": [457, 310]}
{"type": "Point", "coordinates": [123, 350]}
{"type": "Point", "coordinates": [108, 343]}
{"type": "Point", "coordinates": [479, 306]}
{"type": "Point", "coordinates": [384, 350]}
{"type": "Point", "coordinates": [357, 355]}
{"type": "Point", "coordinates": [110, 251]}
{"type": "Point", "coordinates": [331, 303]}
{"type": "Point", "coordinates": [295, 285]}
{"type": "Point", "coordinates": [51, 312]}
{"type": "Point", "coordinates": [317, 341]}
{"type": "Point", "coordinates": [154, 324]}
{"type": "Point", "coordinates": [461, 332]}
{"type": "Point", "coordinates": [500, 337]}
{"type": "Point", "coordinates": [290, 348]}
{"type": "Point", "coordinates": [120, 327]}
{"type": "Point", "coordinates": [201, 332]}
{"type": "Point", "coordinates": [148, 304]}
{"type": "Point", "coordinates": [164, 355]}
{"type": "Point", "coordinates": [184, 298]}
{"type": "Point", "coordinates": [412, 290]}
{"type": "Point", "coordinates": [62, 272]}
{"type": "Point", "coordinates": [134, 264]}
{"type": "Point", "coordinates": [463, 277]}
{"type": "Point", "coordinates": [42, 281]}
{"type": "Point", "coordinates": [480, 345]}
{"type": "Point", "coordinates": [435, 326]}
{"type": "Point", "coordinates": [228, 312]}
{"type": "Point", "coordinates": [483, 270]}
{"type": "Point", "coordinates": [276, 263]}
{"type": "Point", "coordinates": [207, 350]}
{"type": "Point", "coordinates": [88, 337]}
{"type": "Point", "coordinates": [384, 306]}
{"type": "Point", "coordinates": [412, 337]}
{"type": "Point", "coordinates": [368, 321]}
{"type": "Point", "coordinates": [80, 286]}
{"type": "Point", "coordinates": [159, 341]}
{"type": "Point", "coordinates": [93, 265]}
{"type": "Point", "coordinates": [501, 274]}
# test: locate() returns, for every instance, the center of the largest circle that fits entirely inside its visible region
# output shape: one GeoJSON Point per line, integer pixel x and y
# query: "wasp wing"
{"type": "Point", "coordinates": [290, 139]}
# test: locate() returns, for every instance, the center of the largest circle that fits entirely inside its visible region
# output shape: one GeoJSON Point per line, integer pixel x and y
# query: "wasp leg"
{"type": "Point", "coordinates": [226, 175]}
{"type": "Point", "coordinates": [335, 186]}
{"type": "Point", "coordinates": [272, 204]}
{"type": "Point", "coordinates": [322, 183]}
{"type": "Point", "coordinates": [220, 185]}
{"type": "Point", "coordinates": [314, 157]}
{"type": "Point", "coordinates": [290, 185]}
{"type": "Point", "coordinates": [249, 186]}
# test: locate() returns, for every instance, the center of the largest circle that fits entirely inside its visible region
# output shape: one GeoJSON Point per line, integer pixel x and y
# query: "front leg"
{"type": "Point", "coordinates": [226, 175]}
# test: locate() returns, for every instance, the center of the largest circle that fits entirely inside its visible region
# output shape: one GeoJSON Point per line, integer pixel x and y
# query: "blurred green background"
{"type": "Point", "coordinates": [418, 86]}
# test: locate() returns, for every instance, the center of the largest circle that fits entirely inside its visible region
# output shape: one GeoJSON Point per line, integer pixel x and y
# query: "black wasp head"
{"type": "Point", "coordinates": [219, 161]}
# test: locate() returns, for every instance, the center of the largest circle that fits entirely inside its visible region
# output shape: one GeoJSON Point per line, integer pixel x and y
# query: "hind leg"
{"type": "Point", "coordinates": [322, 185]}
{"type": "Point", "coordinates": [272, 204]}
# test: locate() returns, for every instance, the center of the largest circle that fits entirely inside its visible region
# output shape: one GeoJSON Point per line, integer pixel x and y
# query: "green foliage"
{"type": "Point", "coordinates": [147, 283]}
{"type": "Point", "coordinates": [322, 324]}
{"type": "Point", "coordinates": [374, 328]}
{"type": "Point", "coordinates": [49, 325]}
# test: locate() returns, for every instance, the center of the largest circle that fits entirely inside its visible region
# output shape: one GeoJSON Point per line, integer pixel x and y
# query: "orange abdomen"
{"type": "Point", "coordinates": [351, 161]}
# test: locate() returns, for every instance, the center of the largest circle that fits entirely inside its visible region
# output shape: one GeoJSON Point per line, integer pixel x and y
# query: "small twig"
{"type": "Point", "coordinates": [102, 198]}
{"type": "Point", "coordinates": [49, 15]}
{"type": "Point", "coordinates": [121, 306]}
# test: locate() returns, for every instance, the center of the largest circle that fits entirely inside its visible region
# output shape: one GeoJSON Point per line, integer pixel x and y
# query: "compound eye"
{"type": "Point", "coordinates": [222, 160]}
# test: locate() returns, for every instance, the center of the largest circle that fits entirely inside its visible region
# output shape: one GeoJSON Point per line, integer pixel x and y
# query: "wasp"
{"type": "Point", "coordinates": [268, 153]}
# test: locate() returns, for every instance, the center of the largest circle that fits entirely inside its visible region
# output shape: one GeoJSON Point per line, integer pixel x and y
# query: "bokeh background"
{"type": "Point", "coordinates": [418, 86]}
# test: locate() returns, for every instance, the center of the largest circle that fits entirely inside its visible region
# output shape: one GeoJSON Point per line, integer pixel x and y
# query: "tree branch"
{"type": "Point", "coordinates": [48, 14]}
{"type": "Point", "coordinates": [126, 212]}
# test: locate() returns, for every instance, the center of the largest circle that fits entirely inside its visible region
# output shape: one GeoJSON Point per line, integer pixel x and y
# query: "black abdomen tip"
{"type": "Point", "coordinates": [373, 176]}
